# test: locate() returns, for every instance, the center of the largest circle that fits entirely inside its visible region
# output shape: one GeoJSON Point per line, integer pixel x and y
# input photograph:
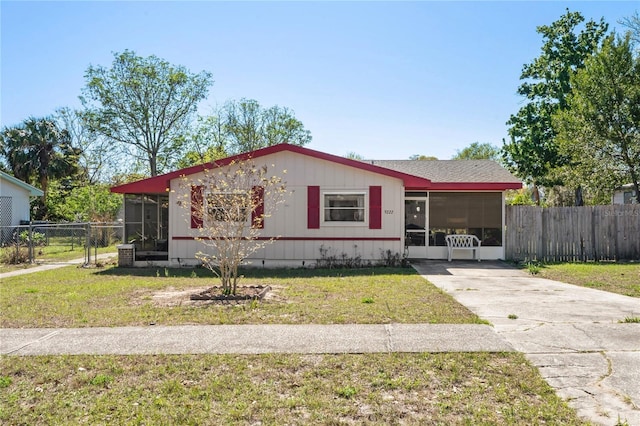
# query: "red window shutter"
{"type": "Point", "coordinates": [257, 214]}
{"type": "Point", "coordinates": [375, 207]}
{"type": "Point", "coordinates": [313, 207]}
{"type": "Point", "coordinates": [197, 206]}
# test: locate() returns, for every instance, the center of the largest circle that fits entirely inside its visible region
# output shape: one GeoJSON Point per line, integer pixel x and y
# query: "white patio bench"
{"type": "Point", "coordinates": [463, 242]}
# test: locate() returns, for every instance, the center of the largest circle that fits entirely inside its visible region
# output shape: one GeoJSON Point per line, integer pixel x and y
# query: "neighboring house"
{"type": "Point", "coordinates": [359, 208]}
{"type": "Point", "coordinates": [15, 199]}
{"type": "Point", "coordinates": [624, 195]}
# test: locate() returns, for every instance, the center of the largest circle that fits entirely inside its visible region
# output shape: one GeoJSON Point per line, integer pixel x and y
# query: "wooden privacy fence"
{"type": "Point", "coordinates": [573, 234]}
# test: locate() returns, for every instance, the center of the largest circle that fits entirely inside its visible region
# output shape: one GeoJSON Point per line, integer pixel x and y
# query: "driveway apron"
{"type": "Point", "coordinates": [572, 334]}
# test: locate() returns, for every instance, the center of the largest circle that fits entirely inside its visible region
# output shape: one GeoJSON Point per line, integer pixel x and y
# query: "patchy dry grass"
{"type": "Point", "coordinates": [393, 389]}
{"type": "Point", "coordinates": [76, 297]}
{"type": "Point", "coordinates": [621, 278]}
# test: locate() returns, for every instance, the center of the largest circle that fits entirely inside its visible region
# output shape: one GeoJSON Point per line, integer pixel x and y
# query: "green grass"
{"type": "Point", "coordinates": [367, 389]}
{"type": "Point", "coordinates": [621, 278]}
{"type": "Point", "coordinates": [77, 297]}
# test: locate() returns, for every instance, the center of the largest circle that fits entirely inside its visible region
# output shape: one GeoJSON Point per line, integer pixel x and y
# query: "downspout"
{"type": "Point", "coordinates": [504, 226]}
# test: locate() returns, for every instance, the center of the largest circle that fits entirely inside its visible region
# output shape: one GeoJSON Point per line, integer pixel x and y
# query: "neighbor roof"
{"type": "Point", "coordinates": [33, 191]}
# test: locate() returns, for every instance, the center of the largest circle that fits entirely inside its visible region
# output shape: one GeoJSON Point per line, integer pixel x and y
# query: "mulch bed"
{"type": "Point", "coordinates": [243, 294]}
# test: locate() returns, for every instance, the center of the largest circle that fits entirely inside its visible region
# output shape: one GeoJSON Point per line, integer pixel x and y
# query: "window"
{"type": "Point", "coordinates": [478, 214]}
{"type": "Point", "coordinates": [228, 206]}
{"type": "Point", "coordinates": [344, 207]}
{"type": "Point", "coordinates": [629, 197]}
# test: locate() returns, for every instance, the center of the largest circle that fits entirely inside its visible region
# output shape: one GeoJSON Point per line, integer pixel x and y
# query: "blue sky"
{"type": "Point", "coordinates": [385, 80]}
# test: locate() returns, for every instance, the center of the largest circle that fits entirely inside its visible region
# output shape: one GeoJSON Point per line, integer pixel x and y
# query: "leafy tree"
{"type": "Point", "coordinates": [601, 129]}
{"type": "Point", "coordinates": [86, 203]}
{"type": "Point", "coordinates": [205, 142]}
{"type": "Point", "coordinates": [532, 152]}
{"type": "Point", "coordinates": [478, 151]}
{"type": "Point", "coordinates": [423, 157]}
{"type": "Point", "coordinates": [248, 126]}
{"type": "Point", "coordinates": [519, 197]}
{"type": "Point", "coordinates": [229, 206]}
{"type": "Point", "coordinates": [143, 103]}
{"type": "Point", "coordinates": [241, 126]}
{"type": "Point", "coordinates": [354, 156]}
{"type": "Point", "coordinates": [37, 151]}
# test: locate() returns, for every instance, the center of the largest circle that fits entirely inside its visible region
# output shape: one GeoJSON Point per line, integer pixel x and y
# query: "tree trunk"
{"type": "Point", "coordinates": [153, 165]}
{"type": "Point", "coordinates": [536, 194]}
{"type": "Point", "coordinates": [579, 199]}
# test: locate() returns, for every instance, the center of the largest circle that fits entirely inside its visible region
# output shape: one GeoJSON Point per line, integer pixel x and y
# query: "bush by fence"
{"type": "Point", "coordinates": [573, 234]}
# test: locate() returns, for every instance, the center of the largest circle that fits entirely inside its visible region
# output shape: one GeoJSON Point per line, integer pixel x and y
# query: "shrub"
{"type": "Point", "coordinates": [38, 238]}
{"type": "Point", "coordinates": [14, 255]}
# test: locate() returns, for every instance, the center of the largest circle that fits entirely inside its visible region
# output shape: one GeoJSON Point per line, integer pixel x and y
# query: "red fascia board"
{"type": "Point", "coordinates": [161, 184]}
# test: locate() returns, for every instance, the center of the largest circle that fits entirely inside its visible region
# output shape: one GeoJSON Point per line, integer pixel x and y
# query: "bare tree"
{"type": "Point", "coordinates": [228, 206]}
{"type": "Point", "coordinates": [98, 159]}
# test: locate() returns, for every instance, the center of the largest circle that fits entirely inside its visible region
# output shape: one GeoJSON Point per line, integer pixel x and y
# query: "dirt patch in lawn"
{"type": "Point", "coordinates": [185, 297]}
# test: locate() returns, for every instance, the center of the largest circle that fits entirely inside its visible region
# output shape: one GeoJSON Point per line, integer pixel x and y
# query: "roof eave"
{"type": "Point", "coordinates": [33, 191]}
{"type": "Point", "coordinates": [161, 184]}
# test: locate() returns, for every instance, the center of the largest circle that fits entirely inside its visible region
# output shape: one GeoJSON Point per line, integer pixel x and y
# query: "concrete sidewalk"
{"type": "Point", "coordinates": [571, 333]}
{"type": "Point", "coordinates": [254, 339]}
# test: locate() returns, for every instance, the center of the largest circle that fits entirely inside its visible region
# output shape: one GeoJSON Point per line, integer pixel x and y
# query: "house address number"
{"type": "Point", "coordinates": [388, 212]}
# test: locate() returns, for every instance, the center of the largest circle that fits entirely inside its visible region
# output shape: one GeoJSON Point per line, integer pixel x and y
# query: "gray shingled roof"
{"type": "Point", "coordinates": [451, 170]}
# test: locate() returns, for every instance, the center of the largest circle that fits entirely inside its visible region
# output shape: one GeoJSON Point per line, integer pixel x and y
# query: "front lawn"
{"type": "Point", "coordinates": [621, 278]}
{"type": "Point", "coordinates": [365, 389]}
{"type": "Point", "coordinates": [77, 297]}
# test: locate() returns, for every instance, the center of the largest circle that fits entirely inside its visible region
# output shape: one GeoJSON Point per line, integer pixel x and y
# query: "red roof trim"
{"type": "Point", "coordinates": [472, 186]}
{"type": "Point", "coordinates": [161, 184]}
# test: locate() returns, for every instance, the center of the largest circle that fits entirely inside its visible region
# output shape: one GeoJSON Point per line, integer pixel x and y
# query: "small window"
{"type": "Point", "coordinates": [228, 206]}
{"type": "Point", "coordinates": [629, 197]}
{"type": "Point", "coordinates": [344, 207]}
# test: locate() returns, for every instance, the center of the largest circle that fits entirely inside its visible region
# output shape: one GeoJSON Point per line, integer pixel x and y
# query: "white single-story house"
{"type": "Point", "coordinates": [626, 194]}
{"type": "Point", "coordinates": [15, 200]}
{"type": "Point", "coordinates": [345, 206]}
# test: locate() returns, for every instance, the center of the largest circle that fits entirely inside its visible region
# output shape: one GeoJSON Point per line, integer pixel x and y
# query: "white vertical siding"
{"type": "Point", "coordinates": [290, 221]}
{"type": "Point", "coordinates": [19, 202]}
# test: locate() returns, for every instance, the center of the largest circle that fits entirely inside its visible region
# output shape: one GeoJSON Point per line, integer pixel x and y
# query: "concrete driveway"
{"type": "Point", "coordinates": [571, 333]}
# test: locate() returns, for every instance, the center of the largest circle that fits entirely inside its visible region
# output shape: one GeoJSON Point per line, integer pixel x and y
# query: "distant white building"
{"type": "Point", "coordinates": [624, 195]}
{"type": "Point", "coordinates": [15, 199]}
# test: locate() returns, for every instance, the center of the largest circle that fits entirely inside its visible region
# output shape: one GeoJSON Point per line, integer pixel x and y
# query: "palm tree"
{"type": "Point", "coordinates": [37, 151]}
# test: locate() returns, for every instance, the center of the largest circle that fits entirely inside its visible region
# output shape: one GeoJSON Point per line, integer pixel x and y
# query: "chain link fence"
{"type": "Point", "coordinates": [47, 241]}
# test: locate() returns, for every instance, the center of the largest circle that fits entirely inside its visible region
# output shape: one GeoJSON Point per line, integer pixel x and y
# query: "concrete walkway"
{"type": "Point", "coordinates": [571, 333]}
{"type": "Point", "coordinates": [254, 339]}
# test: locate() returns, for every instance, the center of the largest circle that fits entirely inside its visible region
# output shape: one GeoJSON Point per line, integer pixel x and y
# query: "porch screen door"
{"type": "Point", "coordinates": [415, 226]}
